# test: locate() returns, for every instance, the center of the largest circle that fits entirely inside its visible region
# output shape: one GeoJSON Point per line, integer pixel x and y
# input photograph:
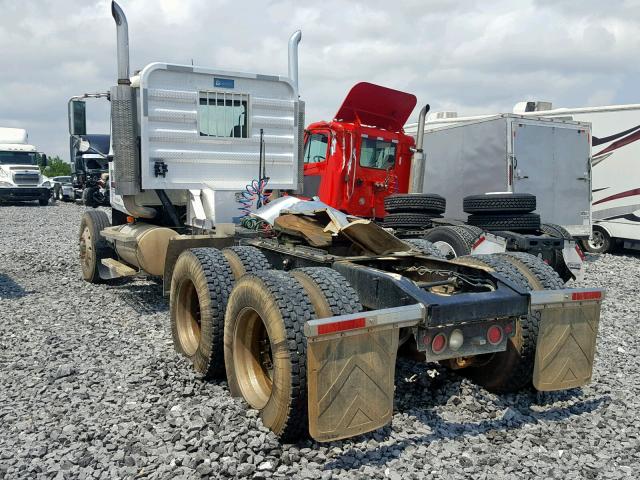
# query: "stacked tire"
{"type": "Point", "coordinates": [413, 210]}
{"type": "Point", "coordinates": [502, 211]}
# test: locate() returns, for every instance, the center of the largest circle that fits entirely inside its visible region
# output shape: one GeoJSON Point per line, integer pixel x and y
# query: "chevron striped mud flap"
{"type": "Point", "coordinates": [567, 336]}
{"type": "Point", "coordinates": [350, 370]}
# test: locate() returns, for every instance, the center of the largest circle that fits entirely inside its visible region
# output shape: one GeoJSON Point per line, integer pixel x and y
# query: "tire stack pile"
{"type": "Point", "coordinates": [502, 211]}
{"type": "Point", "coordinates": [413, 211]}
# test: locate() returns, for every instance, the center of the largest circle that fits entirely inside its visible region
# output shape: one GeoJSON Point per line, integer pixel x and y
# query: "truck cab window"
{"type": "Point", "coordinates": [223, 115]}
{"type": "Point", "coordinates": [380, 154]}
{"type": "Point", "coordinates": [315, 148]}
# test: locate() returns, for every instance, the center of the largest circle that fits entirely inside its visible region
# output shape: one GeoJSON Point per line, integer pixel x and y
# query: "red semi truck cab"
{"type": "Point", "coordinates": [353, 162]}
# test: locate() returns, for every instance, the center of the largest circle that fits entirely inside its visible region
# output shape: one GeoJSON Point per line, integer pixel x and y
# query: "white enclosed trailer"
{"type": "Point", "coordinates": [511, 153]}
{"type": "Point", "coordinates": [615, 168]}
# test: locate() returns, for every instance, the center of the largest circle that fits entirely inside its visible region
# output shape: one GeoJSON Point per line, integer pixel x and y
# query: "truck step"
{"type": "Point", "coordinates": [116, 269]}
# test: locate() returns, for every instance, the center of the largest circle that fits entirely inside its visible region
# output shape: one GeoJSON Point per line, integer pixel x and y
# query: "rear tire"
{"type": "Point", "coordinates": [452, 241]}
{"type": "Point", "coordinates": [540, 276]}
{"type": "Point", "coordinates": [245, 259]}
{"type": "Point", "coordinates": [559, 265]}
{"type": "Point", "coordinates": [499, 203]}
{"type": "Point", "coordinates": [511, 370]}
{"type": "Point", "coordinates": [557, 231]}
{"type": "Point", "coordinates": [93, 247]}
{"type": "Point", "coordinates": [200, 288]}
{"type": "Point", "coordinates": [265, 349]}
{"type": "Point", "coordinates": [329, 292]}
{"type": "Point", "coordinates": [415, 202]}
{"type": "Point", "coordinates": [516, 222]}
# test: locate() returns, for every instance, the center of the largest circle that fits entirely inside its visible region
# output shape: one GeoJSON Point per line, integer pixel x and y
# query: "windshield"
{"type": "Point", "coordinates": [18, 158]}
{"type": "Point", "coordinates": [375, 153]}
{"type": "Point", "coordinates": [96, 164]}
{"type": "Point", "coordinates": [98, 142]}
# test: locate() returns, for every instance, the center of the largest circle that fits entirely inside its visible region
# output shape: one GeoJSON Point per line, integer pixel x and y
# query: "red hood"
{"type": "Point", "coordinates": [376, 106]}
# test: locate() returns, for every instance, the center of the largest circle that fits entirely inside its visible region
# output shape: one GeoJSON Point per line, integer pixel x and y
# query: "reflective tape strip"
{"type": "Point", "coordinates": [397, 317]}
{"type": "Point", "coordinates": [543, 298]}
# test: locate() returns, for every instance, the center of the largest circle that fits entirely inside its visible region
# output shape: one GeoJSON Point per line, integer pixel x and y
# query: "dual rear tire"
{"type": "Point", "coordinates": [245, 320]}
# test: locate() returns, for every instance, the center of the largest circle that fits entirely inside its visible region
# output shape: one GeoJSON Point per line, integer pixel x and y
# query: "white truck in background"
{"type": "Point", "coordinates": [615, 169]}
{"type": "Point", "coordinates": [20, 177]}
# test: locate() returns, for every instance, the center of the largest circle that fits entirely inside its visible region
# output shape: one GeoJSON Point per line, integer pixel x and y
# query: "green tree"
{"type": "Point", "coordinates": [56, 167]}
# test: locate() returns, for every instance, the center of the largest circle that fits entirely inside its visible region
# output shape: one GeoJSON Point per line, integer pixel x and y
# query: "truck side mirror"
{"type": "Point", "coordinates": [43, 161]}
{"type": "Point", "coordinates": [77, 117]}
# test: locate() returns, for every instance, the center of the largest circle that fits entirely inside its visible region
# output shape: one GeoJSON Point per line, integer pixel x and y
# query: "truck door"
{"type": "Point", "coordinates": [316, 156]}
{"type": "Point", "coordinates": [553, 163]}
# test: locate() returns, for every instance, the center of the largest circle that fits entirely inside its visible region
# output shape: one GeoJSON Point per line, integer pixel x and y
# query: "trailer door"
{"type": "Point", "coordinates": [553, 163]}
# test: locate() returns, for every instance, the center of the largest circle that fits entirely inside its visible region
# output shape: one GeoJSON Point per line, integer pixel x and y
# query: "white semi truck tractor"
{"type": "Point", "coordinates": [297, 305]}
{"type": "Point", "coordinates": [20, 177]}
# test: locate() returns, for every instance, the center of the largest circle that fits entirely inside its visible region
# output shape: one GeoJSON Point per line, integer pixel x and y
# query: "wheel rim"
{"type": "Point", "coordinates": [87, 254]}
{"type": "Point", "coordinates": [445, 249]}
{"type": "Point", "coordinates": [252, 358]}
{"type": "Point", "coordinates": [596, 241]}
{"type": "Point", "coordinates": [188, 319]}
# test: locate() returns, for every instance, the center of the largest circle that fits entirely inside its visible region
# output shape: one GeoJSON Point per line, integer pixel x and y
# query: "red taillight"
{"type": "Point", "coordinates": [508, 328]}
{"type": "Point", "coordinates": [494, 334]}
{"type": "Point", "coordinates": [341, 326]}
{"type": "Point", "coordinates": [439, 343]}
{"type": "Point", "coordinates": [580, 253]}
{"type": "Point", "coordinates": [577, 296]}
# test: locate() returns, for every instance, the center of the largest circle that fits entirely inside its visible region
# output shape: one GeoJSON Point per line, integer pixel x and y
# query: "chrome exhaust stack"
{"type": "Point", "coordinates": [124, 125]}
{"type": "Point", "coordinates": [416, 174]}
{"type": "Point", "coordinates": [294, 40]}
{"type": "Point", "coordinates": [122, 32]}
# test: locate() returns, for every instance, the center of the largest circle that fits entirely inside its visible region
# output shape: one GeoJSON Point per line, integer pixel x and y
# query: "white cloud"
{"type": "Point", "coordinates": [473, 56]}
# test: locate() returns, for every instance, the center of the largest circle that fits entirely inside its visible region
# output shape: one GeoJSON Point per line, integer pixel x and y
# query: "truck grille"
{"type": "Point", "coordinates": [26, 178]}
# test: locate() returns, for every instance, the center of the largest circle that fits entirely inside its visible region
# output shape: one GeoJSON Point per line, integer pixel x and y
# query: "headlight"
{"type": "Point", "coordinates": [6, 184]}
{"type": "Point", "coordinates": [46, 184]}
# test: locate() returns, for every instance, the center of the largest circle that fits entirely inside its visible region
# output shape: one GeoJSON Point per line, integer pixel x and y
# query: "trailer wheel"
{"type": "Point", "coordinates": [93, 247]}
{"type": "Point", "coordinates": [424, 246]}
{"type": "Point", "coordinates": [511, 370]}
{"type": "Point", "coordinates": [499, 203]}
{"type": "Point", "coordinates": [200, 287]}
{"type": "Point", "coordinates": [245, 259]}
{"type": "Point", "coordinates": [415, 202]}
{"type": "Point", "coordinates": [329, 292]}
{"type": "Point", "coordinates": [452, 241]}
{"type": "Point", "coordinates": [517, 222]}
{"type": "Point", "coordinates": [408, 220]}
{"type": "Point", "coordinates": [265, 349]}
{"type": "Point", "coordinates": [598, 242]}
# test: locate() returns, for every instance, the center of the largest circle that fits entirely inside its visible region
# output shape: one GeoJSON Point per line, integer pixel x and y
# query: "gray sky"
{"type": "Point", "coordinates": [469, 56]}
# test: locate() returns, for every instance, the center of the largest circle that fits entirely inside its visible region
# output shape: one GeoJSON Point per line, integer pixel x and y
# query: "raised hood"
{"type": "Point", "coordinates": [376, 106]}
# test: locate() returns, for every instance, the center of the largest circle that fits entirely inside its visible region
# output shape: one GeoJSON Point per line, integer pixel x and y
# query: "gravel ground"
{"type": "Point", "coordinates": [90, 387]}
